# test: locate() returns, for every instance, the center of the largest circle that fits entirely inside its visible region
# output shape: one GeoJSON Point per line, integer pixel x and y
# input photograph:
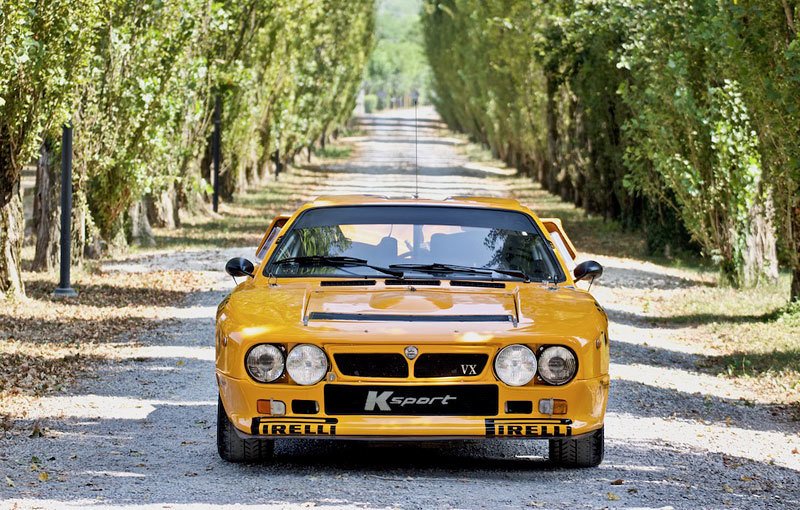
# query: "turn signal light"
{"type": "Point", "coordinates": [552, 406]}
{"type": "Point", "coordinates": [271, 407]}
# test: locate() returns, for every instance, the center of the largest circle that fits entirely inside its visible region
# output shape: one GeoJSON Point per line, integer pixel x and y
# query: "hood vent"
{"type": "Point", "coordinates": [346, 283]}
{"type": "Point", "coordinates": [470, 283]}
{"type": "Point", "coordinates": [434, 283]}
{"type": "Point", "coordinates": [383, 317]}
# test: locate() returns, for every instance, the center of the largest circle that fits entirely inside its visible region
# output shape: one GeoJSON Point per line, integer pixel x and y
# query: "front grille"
{"type": "Point", "coordinates": [451, 400]}
{"type": "Point", "coordinates": [372, 365]}
{"type": "Point", "coordinates": [450, 365]}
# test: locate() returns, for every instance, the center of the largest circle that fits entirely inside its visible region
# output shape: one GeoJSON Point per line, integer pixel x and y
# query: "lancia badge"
{"type": "Point", "coordinates": [411, 352]}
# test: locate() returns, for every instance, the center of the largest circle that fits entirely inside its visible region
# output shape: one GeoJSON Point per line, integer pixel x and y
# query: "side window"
{"type": "Point", "coordinates": [561, 246]}
{"type": "Point", "coordinates": [265, 247]}
{"type": "Point", "coordinates": [270, 235]}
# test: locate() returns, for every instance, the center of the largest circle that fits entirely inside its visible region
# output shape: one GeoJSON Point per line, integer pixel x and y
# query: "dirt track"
{"type": "Point", "coordinates": [142, 431]}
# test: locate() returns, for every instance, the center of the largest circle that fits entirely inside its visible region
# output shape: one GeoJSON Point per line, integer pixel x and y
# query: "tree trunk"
{"type": "Point", "coordinates": [231, 178]}
{"type": "Point", "coordinates": [11, 233]}
{"type": "Point", "coordinates": [140, 232]}
{"type": "Point", "coordinates": [162, 208]}
{"type": "Point", "coordinates": [46, 209]}
{"type": "Point", "coordinates": [250, 178]}
{"type": "Point", "coordinates": [549, 181]}
{"type": "Point", "coordinates": [760, 255]}
{"type": "Point", "coordinates": [276, 161]}
{"type": "Point", "coordinates": [795, 243]}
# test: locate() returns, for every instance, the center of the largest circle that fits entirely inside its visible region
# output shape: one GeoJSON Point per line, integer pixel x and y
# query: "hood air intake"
{"type": "Point", "coordinates": [382, 317]}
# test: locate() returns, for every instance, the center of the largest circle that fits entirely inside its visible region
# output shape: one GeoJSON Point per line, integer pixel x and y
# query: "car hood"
{"type": "Point", "coordinates": [300, 309]}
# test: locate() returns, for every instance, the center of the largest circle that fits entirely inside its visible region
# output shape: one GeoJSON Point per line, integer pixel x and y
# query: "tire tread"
{"type": "Point", "coordinates": [586, 451]}
{"type": "Point", "coordinates": [233, 448]}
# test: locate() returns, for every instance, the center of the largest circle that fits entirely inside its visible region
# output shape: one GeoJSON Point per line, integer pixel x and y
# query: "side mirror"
{"type": "Point", "coordinates": [239, 266]}
{"type": "Point", "coordinates": [588, 269]}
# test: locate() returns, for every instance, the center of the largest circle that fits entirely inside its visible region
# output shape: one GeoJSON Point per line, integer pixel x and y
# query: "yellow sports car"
{"type": "Point", "coordinates": [377, 318]}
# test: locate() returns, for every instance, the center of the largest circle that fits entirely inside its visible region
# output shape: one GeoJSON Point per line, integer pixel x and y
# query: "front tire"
{"type": "Point", "coordinates": [233, 448]}
{"type": "Point", "coordinates": [586, 451]}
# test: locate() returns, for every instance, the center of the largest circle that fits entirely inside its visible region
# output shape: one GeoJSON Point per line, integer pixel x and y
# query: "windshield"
{"type": "Point", "coordinates": [421, 240]}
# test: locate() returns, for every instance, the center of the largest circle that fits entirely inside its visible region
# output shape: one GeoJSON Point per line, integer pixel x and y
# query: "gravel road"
{"type": "Point", "coordinates": [141, 431]}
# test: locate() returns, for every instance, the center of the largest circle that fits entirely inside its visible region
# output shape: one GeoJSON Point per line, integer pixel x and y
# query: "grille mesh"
{"type": "Point", "coordinates": [450, 365]}
{"type": "Point", "coordinates": [372, 365]}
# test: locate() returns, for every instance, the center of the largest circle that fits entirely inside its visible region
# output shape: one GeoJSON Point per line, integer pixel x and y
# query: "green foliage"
{"type": "Point", "coordinates": [487, 75]}
{"type": "Point", "coordinates": [370, 103]}
{"type": "Point", "coordinates": [43, 59]}
{"type": "Point", "coordinates": [140, 78]}
{"type": "Point", "coordinates": [295, 82]}
{"type": "Point", "coordinates": [333, 152]}
{"type": "Point", "coordinates": [630, 106]}
{"type": "Point", "coordinates": [127, 114]}
{"type": "Point", "coordinates": [397, 66]}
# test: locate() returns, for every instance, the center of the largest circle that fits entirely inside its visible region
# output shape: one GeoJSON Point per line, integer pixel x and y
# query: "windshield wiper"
{"type": "Point", "coordinates": [437, 267]}
{"type": "Point", "coordinates": [319, 260]}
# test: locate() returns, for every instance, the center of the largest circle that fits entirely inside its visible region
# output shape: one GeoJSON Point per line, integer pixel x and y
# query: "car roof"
{"type": "Point", "coordinates": [468, 201]}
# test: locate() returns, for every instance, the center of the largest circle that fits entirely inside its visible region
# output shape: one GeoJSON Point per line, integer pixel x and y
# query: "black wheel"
{"type": "Point", "coordinates": [233, 448]}
{"type": "Point", "coordinates": [586, 451]}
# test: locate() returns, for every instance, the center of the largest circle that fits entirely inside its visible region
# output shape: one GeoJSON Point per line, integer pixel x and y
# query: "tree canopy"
{"type": "Point", "coordinates": [139, 80]}
{"type": "Point", "coordinates": [398, 65]}
{"type": "Point", "coordinates": [678, 116]}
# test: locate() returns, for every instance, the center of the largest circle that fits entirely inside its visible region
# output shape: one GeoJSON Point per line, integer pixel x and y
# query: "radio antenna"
{"type": "Point", "coordinates": [416, 152]}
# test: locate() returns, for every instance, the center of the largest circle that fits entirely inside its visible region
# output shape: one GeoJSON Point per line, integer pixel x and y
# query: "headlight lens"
{"type": "Point", "coordinates": [557, 365]}
{"type": "Point", "coordinates": [515, 365]}
{"type": "Point", "coordinates": [306, 364]}
{"type": "Point", "coordinates": [264, 363]}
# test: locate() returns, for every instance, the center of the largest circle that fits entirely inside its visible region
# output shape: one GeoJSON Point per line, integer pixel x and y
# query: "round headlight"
{"type": "Point", "coordinates": [264, 363]}
{"type": "Point", "coordinates": [557, 365]}
{"type": "Point", "coordinates": [306, 364]}
{"type": "Point", "coordinates": [515, 365]}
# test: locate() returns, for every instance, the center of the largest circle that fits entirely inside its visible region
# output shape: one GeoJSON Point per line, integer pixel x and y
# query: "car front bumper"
{"type": "Point", "coordinates": [586, 405]}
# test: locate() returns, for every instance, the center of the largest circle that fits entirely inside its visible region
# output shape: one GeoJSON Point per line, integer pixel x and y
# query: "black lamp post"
{"type": "Point", "coordinates": [215, 150]}
{"type": "Point", "coordinates": [64, 289]}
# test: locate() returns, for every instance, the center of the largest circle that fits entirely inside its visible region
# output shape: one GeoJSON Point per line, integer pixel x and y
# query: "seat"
{"type": "Point", "coordinates": [464, 249]}
{"type": "Point", "coordinates": [385, 252]}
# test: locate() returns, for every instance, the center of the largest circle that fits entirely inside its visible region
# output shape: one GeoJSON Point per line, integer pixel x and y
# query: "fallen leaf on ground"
{"type": "Point", "coordinates": [612, 497]}
{"type": "Point", "coordinates": [618, 481]}
{"type": "Point", "coordinates": [36, 432]}
{"type": "Point", "coordinates": [727, 488]}
{"type": "Point", "coordinates": [43, 476]}
{"type": "Point", "coordinates": [9, 482]}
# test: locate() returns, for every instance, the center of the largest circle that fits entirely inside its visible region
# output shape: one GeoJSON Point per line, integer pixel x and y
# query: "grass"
{"type": "Point", "coordinates": [333, 152]}
{"type": "Point", "coordinates": [749, 333]}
